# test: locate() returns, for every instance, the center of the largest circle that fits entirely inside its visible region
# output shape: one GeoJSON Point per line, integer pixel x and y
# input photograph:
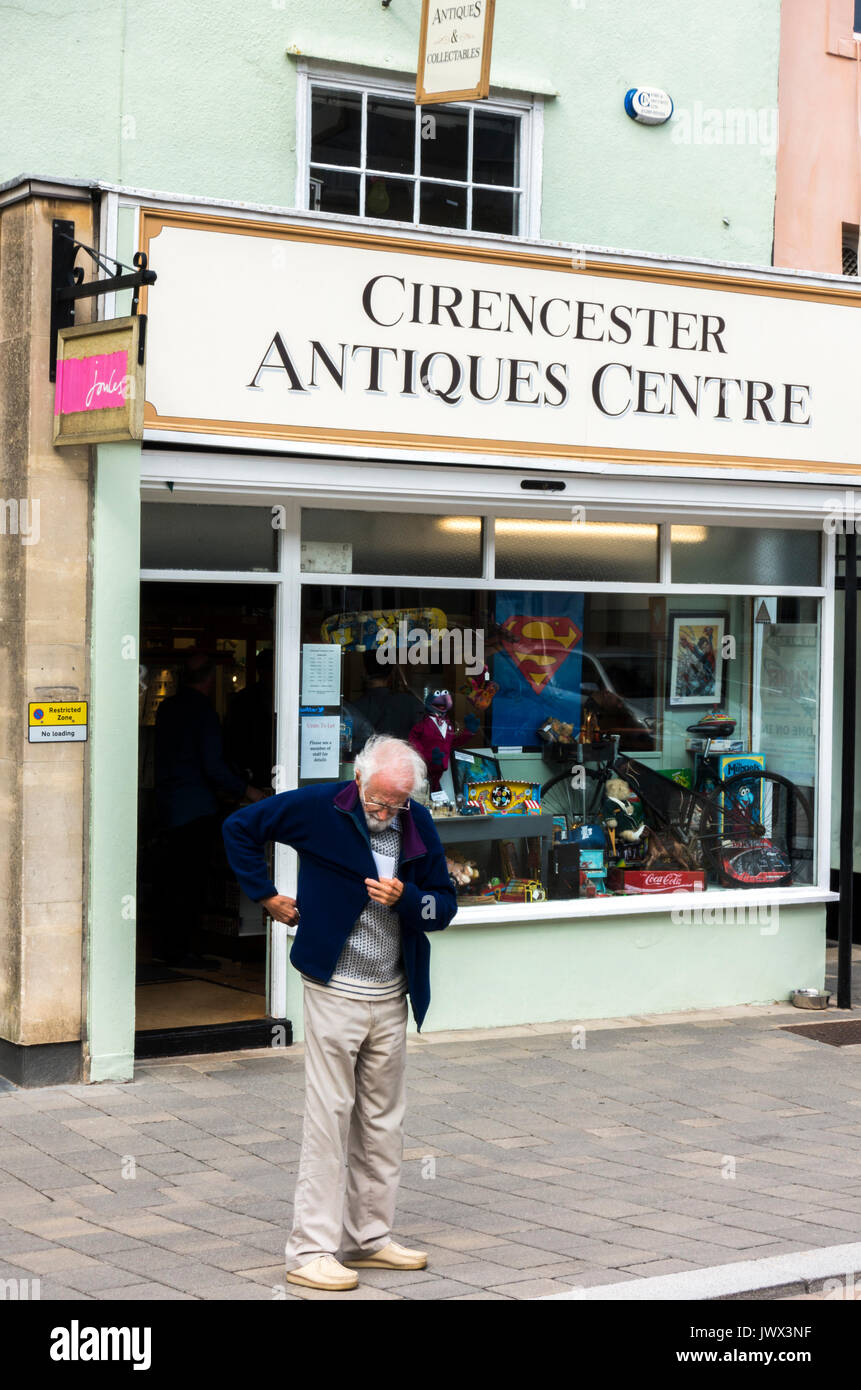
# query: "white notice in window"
{"type": "Point", "coordinates": [319, 746]}
{"type": "Point", "coordinates": [321, 673]}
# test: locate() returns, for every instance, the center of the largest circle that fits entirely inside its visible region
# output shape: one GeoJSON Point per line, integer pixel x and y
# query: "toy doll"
{"type": "Point", "coordinates": [462, 872]}
{"type": "Point", "coordinates": [434, 737]}
{"type": "Point", "coordinates": [480, 690]}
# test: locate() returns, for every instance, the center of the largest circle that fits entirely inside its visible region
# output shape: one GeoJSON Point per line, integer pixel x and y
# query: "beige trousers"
{"type": "Point", "coordinates": [352, 1134]}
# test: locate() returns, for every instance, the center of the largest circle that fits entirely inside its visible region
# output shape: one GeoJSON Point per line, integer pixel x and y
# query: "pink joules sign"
{"type": "Point", "coordinates": [91, 383]}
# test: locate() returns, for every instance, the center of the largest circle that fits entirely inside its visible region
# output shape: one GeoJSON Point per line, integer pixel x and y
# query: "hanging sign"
{"type": "Point", "coordinates": [57, 721]}
{"type": "Point", "coordinates": [99, 392]}
{"type": "Point", "coordinates": [454, 51]}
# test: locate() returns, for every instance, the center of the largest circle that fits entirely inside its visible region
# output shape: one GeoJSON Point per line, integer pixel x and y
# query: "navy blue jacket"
{"type": "Point", "coordinates": [326, 825]}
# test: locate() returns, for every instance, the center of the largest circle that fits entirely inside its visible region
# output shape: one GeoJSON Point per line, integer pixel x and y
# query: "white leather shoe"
{"type": "Point", "coordinates": [392, 1256]}
{"type": "Point", "coordinates": [323, 1273]}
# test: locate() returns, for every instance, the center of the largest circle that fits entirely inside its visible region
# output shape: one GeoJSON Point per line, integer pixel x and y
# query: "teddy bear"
{"type": "Point", "coordinates": [556, 731]}
{"type": "Point", "coordinates": [623, 816]}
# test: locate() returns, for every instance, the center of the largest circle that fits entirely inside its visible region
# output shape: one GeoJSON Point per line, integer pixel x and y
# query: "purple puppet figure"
{"type": "Point", "coordinates": [434, 736]}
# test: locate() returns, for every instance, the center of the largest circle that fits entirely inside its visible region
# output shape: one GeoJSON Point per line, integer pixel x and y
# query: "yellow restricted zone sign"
{"type": "Point", "coordinates": [57, 721]}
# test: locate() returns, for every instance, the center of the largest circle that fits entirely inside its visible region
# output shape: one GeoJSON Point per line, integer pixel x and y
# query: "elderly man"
{"type": "Point", "coordinates": [372, 882]}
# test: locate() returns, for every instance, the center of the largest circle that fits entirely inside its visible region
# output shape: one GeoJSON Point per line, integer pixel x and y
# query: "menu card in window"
{"type": "Point", "coordinates": [321, 673]}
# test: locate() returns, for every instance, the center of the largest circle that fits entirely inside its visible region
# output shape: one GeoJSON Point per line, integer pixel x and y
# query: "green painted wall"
{"type": "Point", "coordinates": [613, 967]}
{"type": "Point", "coordinates": [178, 97]}
{"type": "Point", "coordinates": [113, 751]}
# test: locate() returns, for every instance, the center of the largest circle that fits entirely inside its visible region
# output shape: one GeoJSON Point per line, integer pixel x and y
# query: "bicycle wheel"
{"type": "Point", "coordinates": [560, 797]}
{"type": "Point", "coordinates": [765, 829]}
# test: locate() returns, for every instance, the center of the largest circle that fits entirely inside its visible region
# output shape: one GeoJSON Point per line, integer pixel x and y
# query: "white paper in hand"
{"type": "Point", "coordinates": [386, 864]}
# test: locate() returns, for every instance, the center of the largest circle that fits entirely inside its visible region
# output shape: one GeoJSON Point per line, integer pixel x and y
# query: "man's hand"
{"type": "Point", "coordinates": [254, 794]}
{"type": "Point", "coordinates": [384, 890]}
{"type": "Point", "coordinates": [281, 909]}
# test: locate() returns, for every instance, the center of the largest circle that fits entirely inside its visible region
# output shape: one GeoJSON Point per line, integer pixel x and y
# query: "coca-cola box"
{"type": "Point", "coordinates": [656, 880]}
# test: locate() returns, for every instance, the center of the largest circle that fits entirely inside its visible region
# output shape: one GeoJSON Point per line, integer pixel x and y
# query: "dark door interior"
{"type": "Point", "coordinates": [201, 944]}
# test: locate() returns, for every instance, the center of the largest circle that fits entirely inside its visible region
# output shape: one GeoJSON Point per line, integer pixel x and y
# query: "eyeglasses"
{"type": "Point", "coordinates": [383, 805]}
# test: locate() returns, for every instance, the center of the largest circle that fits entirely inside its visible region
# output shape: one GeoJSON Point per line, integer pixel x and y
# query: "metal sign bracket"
{"type": "Point", "coordinates": [67, 283]}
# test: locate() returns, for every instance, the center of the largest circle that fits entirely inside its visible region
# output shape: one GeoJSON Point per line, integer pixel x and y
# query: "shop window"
{"type": "Point", "coordinates": [599, 551]}
{"type": "Point", "coordinates": [376, 154]}
{"type": "Point", "coordinates": [341, 542]}
{"type": "Point", "coordinates": [594, 743]}
{"type": "Point", "coordinates": [745, 555]}
{"type": "Point", "coordinates": [185, 536]}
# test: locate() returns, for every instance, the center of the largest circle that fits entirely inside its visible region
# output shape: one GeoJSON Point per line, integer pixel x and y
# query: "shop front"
{"type": "Point", "coordinates": [562, 523]}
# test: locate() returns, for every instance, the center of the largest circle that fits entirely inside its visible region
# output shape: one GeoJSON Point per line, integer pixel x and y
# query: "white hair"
{"type": "Point", "coordinates": [381, 750]}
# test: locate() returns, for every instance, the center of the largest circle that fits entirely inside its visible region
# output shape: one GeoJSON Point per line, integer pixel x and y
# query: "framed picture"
{"type": "Point", "coordinates": [469, 766]}
{"type": "Point", "coordinates": [696, 661]}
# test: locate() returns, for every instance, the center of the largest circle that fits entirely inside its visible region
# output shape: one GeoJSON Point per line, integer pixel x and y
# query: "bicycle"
{"type": "Point", "coordinates": [751, 830]}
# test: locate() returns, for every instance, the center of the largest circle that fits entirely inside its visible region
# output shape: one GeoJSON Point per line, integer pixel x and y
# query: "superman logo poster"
{"type": "Point", "coordinates": [537, 643]}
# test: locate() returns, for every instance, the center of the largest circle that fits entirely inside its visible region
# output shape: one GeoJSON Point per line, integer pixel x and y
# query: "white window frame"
{"type": "Point", "coordinates": [288, 580]}
{"type": "Point", "coordinates": [339, 77]}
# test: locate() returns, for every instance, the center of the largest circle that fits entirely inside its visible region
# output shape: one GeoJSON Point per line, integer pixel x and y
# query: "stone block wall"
{"type": "Point", "coordinates": [45, 512]}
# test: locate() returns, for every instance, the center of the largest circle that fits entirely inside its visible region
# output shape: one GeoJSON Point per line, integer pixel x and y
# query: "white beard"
{"type": "Point", "coordinates": [375, 825]}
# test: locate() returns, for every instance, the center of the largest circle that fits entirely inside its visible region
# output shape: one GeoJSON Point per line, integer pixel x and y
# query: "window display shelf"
{"type": "Point", "coordinates": [461, 830]}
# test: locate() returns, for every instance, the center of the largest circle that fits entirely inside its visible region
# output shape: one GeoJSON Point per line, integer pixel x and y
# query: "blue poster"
{"type": "Point", "coordinates": [537, 664]}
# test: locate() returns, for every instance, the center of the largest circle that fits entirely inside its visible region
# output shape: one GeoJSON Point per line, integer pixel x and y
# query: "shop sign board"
{"type": "Point", "coordinates": [57, 721]}
{"type": "Point", "coordinates": [331, 338]}
{"type": "Point", "coordinates": [99, 391]}
{"type": "Point", "coordinates": [454, 51]}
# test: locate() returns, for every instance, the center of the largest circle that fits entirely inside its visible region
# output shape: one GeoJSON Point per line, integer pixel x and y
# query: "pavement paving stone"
{"type": "Point", "coordinates": [532, 1288]}
{"type": "Point", "coordinates": [100, 1204]}
{"type": "Point", "coordinates": [266, 1209]}
{"type": "Point", "coordinates": [649, 1268]}
{"type": "Point", "coordinates": [49, 1261]}
{"type": "Point", "coordinates": [14, 1238]}
{"type": "Point", "coordinates": [554, 1167]}
{"type": "Point", "coordinates": [102, 1243]}
{"type": "Point", "coordinates": [97, 1278]}
{"type": "Point", "coordinates": [483, 1274]}
{"type": "Point", "coordinates": [516, 1255]}
{"type": "Point", "coordinates": [466, 1240]}
{"type": "Point", "coordinates": [149, 1257]}
{"type": "Point", "coordinates": [364, 1293]}
{"type": "Point", "coordinates": [234, 1257]}
{"type": "Point", "coordinates": [263, 1271]}
{"type": "Point", "coordinates": [485, 1296]}
{"type": "Point", "coordinates": [144, 1292]}
{"type": "Point", "coordinates": [427, 1289]}
{"type": "Point", "coordinates": [13, 1271]}
{"type": "Point", "coordinates": [60, 1293]}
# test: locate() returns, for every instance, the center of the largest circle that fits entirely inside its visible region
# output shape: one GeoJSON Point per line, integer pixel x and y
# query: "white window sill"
{"type": "Point", "coordinates": [636, 904]}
